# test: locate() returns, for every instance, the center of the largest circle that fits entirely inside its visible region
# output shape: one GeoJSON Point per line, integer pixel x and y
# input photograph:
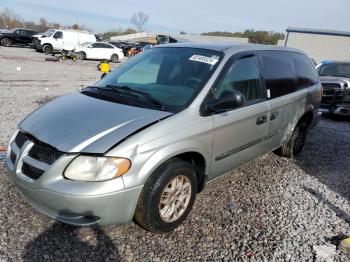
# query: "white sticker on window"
{"type": "Point", "coordinates": [204, 59]}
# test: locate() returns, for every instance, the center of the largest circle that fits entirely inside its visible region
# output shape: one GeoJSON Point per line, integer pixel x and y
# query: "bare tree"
{"type": "Point", "coordinates": [43, 25]}
{"type": "Point", "coordinates": [139, 20]}
{"type": "Point", "coordinates": [9, 19]}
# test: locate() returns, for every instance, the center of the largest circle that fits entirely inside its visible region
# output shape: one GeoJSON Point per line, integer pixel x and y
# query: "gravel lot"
{"type": "Point", "coordinates": [271, 209]}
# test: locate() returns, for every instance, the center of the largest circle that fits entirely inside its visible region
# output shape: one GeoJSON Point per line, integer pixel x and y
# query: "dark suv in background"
{"type": "Point", "coordinates": [125, 46]}
{"type": "Point", "coordinates": [17, 36]}
{"type": "Point", "coordinates": [335, 79]}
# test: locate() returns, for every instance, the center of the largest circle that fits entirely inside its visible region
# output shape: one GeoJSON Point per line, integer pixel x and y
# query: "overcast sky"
{"type": "Point", "coordinates": [190, 16]}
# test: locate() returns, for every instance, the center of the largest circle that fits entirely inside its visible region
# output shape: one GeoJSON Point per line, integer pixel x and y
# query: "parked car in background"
{"type": "Point", "coordinates": [67, 39]}
{"type": "Point", "coordinates": [100, 51]}
{"type": "Point", "coordinates": [335, 79]}
{"type": "Point", "coordinates": [137, 48]}
{"type": "Point", "coordinates": [144, 140]}
{"type": "Point", "coordinates": [125, 46]}
{"type": "Point", "coordinates": [17, 36]}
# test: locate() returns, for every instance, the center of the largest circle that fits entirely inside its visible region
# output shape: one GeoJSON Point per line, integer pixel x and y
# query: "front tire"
{"type": "Point", "coordinates": [114, 58]}
{"type": "Point", "coordinates": [82, 55]}
{"type": "Point", "coordinates": [167, 197]}
{"type": "Point", "coordinates": [6, 42]}
{"type": "Point", "coordinates": [47, 49]}
{"type": "Point", "coordinates": [296, 142]}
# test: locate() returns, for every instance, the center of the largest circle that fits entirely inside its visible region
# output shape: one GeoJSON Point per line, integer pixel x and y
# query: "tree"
{"type": "Point", "coordinates": [9, 19]}
{"type": "Point", "coordinates": [257, 37]}
{"type": "Point", "coordinates": [76, 27]}
{"type": "Point", "coordinates": [43, 24]}
{"type": "Point", "coordinates": [139, 20]}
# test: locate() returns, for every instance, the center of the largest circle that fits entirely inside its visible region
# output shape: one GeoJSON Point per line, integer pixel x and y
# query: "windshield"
{"type": "Point", "coordinates": [49, 32]}
{"type": "Point", "coordinates": [335, 69]}
{"type": "Point", "coordinates": [171, 76]}
{"type": "Point", "coordinates": [85, 44]}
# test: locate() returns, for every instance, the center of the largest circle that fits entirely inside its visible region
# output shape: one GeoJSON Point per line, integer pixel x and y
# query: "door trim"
{"type": "Point", "coordinates": [240, 148]}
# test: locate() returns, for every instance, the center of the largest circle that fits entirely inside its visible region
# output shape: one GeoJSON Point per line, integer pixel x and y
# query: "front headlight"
{"type": "Point", "coordinates": [91, 168]}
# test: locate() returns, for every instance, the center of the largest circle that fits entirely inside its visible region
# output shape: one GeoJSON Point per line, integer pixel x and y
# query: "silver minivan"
{"type": "Point", "coordinates": [144, 140]}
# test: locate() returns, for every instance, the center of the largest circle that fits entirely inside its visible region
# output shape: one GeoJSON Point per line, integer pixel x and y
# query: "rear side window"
{"type": "Point", "coordinates": [305, 71]}
{"type": "Point", "coordinates": [279, 73]}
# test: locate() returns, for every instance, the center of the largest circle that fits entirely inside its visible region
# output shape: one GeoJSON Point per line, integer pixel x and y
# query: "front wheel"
{"type": "Point", "coordinates": [167, 197]}
{"type": "Point", "coordinates": [82, 55]}
{"type": "Point", "coordinates": [296, 142]}
{"type": "Point", "coordinates": [48, 50]}
{"type": "Point", "coordinates": [6, 42]}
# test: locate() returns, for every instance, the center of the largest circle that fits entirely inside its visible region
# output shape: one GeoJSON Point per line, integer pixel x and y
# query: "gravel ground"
{"type": "Point", "coordinates": [271, 209]}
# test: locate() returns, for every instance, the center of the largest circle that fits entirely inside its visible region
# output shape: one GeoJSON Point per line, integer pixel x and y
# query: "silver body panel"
{"type": "Point", "coordinates": [225, 141]}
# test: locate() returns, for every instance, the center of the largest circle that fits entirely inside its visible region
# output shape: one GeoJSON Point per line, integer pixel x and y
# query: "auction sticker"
{"type": "Point", "coordinates": [204, 59]}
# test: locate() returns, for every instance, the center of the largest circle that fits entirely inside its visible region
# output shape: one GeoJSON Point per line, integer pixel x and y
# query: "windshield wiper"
{"type": "Point", "coordinates": [127, 90]}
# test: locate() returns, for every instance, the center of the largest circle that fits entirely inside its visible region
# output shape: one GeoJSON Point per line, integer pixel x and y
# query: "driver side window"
{"type": "Point", "coordinates": [58, 35]}
{"type": "Point", "coordinates": [242, 76]}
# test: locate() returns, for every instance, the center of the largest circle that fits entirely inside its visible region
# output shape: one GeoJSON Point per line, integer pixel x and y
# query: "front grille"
{"type": "Point", "coordinates": [331, 86]}
{"type": "Point", "coordinates": [39, 151]}
{"type": "Point", "coordinates": [21, 139]}
{"type": "Point", "coordinates": [44, 153]}
{"type": "Point", "coordinates": [13, 157]}
{"type": "Point", "coordinates": [331, 93]}
{"type": "Point", "coordinates": [31, 171]}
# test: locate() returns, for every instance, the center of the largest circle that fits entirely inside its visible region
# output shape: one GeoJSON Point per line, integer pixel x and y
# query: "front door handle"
{"type": "Point", "coordinates": [261, 119]}
{"type": "Point", "coordinates": [274, 115]}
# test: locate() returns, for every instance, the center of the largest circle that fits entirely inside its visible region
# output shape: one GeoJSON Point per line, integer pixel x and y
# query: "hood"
{"type": "Point", "coordinates": [334, 78]}
{"type": "Point", "coordinates": [79, 123]}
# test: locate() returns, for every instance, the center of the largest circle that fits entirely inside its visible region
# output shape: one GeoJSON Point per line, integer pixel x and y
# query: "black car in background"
{"type": "Point", "coordinates": [138, 47]}
{"type": "Point", "coordinates": [17, 36]}
{"type": "Point", "coordinates": [125, 46]}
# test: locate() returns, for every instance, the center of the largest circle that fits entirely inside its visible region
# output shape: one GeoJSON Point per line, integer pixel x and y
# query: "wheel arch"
{"type": "Point", "coordinates": [194, 155]}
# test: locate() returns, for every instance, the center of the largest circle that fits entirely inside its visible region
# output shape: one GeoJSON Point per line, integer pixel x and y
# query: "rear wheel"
{"type": "Point", "coordinates": [6, 42]}
{"type": "Point", "coordinates": [47, 49]}
{"type": "Point", "coordinates": [296, 142]}
{"type": "Point", "coordinates": [114, 58]}
{"type": "Point", "coordinates": [167, 197]}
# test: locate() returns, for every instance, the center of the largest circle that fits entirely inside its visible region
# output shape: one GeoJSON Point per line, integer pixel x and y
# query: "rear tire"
{"type": "Point", "coordinates": [6, 42]}
{"type": "Point", "coordinates": [296, 142]}
{"type": "Point", "coordinates": [167, 197]}
{"type": "Point", "coordinates": [47, 49]}
{"type": "Point", "coordinates": [114, 58]}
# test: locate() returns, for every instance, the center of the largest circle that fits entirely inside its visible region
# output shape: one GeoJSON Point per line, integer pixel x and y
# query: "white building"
{"type": "Point", "coordinates": [320, 44]}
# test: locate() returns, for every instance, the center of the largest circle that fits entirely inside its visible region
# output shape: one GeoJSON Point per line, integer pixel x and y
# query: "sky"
{"type": "Point", "coordinates": [190, 16]}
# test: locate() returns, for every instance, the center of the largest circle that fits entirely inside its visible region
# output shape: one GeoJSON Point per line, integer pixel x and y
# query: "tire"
{"type": "Point", "coordinates": [151, 212]}
{"type": "Point", "coordinates": [296, 142]}
{"type": "Point", "coordinates": [82, 55]}
{"type": "Point", "coordinates": [114, 58]}
{"type": "Point", "coordinates": [47, 49]}
{"type": "Point", "coordinates": [6, 42]}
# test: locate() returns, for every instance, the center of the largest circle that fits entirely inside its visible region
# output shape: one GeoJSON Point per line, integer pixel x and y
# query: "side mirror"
{"type": "Point", "coordinates": [228, 100]}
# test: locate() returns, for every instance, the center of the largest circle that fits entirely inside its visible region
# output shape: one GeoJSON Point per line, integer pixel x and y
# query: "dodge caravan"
{"type": "Point", "coordinates": [143, 141]}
